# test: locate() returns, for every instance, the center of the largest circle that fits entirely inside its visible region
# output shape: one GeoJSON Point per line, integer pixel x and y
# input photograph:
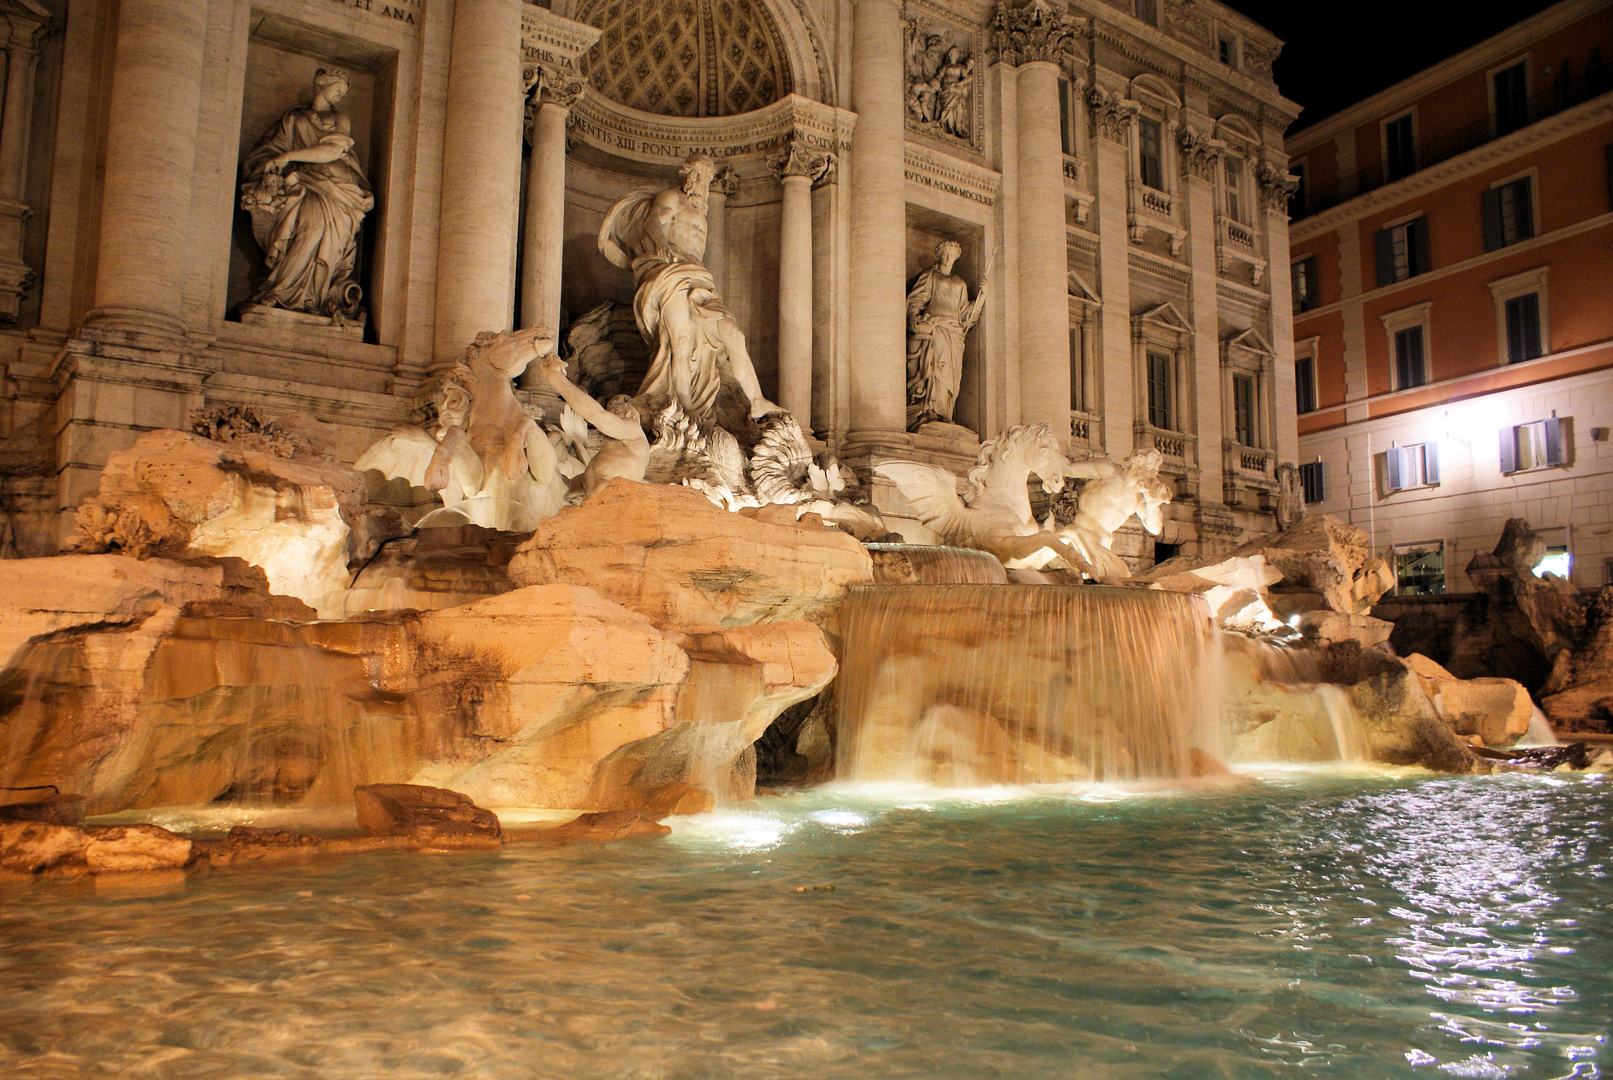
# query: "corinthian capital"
{"type": "Point", "coordinates": [798, 159]}
{"type": "Point", "coordinates": [726, 182]}
{"type": "Point", "coordinates": [1111, 114]}
{"type": "Point", "coordinates": [551, 86]}
{"type": "Point", "coordinates": [1198, 152]}
{"type": "Point", "coordinates": [1024, 35]}
{"type": "Point", "coordinates": [1277, 186]}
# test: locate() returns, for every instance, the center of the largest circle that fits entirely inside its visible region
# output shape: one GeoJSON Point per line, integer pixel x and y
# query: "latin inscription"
{"type": "Point", "coordinates": [403, 11]}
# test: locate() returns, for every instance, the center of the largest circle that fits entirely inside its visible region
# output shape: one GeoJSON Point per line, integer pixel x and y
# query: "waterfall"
{"type": "Point", "coordinates": [919, 564]}
{"type": "Point", "coordinates": [972, 684]}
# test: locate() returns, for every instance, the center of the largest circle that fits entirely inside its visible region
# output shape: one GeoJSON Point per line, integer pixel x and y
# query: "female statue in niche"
{"type": "Point", "coordinates": [939, 318]}
{"type": "Point", "coordinates": [308, 197]}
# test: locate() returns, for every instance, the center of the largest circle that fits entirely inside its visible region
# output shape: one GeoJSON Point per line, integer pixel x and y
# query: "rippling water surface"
{"type": "Point", "coordinates": [1354, 926]}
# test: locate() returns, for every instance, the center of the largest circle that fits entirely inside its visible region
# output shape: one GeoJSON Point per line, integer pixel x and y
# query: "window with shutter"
{"type": "Point", "coordinates": [1313, 481]}
{"type": "Point", "coordinates": [1523, 328]}
{"type": "Point", "coordinates": [1305, 384]}
{"type": "Point", "coordinates": [1402, 251]}
{"type": "Point", "coordinates": [1410, 369]}
{"type": "Point", "coordinates": [1511, 98]}
{"type": "Point", "coordinates": [1392, 479]}
{"type": "Point", "coordinates": [1302, 284]}
{"type": "Point", "coordinates": [1399, 149]}
{"type": "Point", "coordinates": [1536, 445]}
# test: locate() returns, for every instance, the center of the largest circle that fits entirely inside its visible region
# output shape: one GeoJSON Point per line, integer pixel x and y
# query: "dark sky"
{"type": "Point", "coordinates": [1338, 53]}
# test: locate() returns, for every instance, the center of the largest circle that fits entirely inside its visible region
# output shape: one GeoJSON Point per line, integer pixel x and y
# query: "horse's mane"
{"type": "Point", "coordinates": [1016, 440]}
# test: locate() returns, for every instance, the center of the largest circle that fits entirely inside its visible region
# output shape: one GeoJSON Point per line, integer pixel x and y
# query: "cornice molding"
{"type": "Point", "coordinates": [1569, 122]}
{"type": "Point", "coordinates": [1480, 56]}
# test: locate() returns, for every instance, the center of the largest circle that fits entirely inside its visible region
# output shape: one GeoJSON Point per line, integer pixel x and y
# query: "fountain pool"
{"type": "Point", "coordinates": [1360, 924]}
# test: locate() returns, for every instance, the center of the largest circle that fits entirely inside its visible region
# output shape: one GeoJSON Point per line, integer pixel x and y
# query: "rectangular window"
{"type": "Point", "coordinates": [1160, 390]}
{"type": "Point", "coordinates": [1411, 368]}
{"type": "Point", "coordinates": [1144, 10]}
{"type": "Point", "coordinates": [1511, 98]}
{"type": "Point", "coordinates": [1227, 49]}
{"type": "Point", "coordinates": [1302, 284]}
{"type": "Point", "coordinates": [1509, 214]}
{"type": "Point", "coordinates": [1420, 569]}
{"type": "Point", "coordinates": [1523, 328]}
{"type": "Point", "coordinates": [1243, 409]}
{"type": "Point", "coordinates": [1151, 160]}
{"type": "Point", "coordinates": [1533, 446]}
{"type": "Point", "coordinates": [1078, 394]}
{"type": "Point", "coordinates": [1402, 251]}
{"type": "Point", "coordinates": [1233, 173]}
{"type": "Point", "coordinates": [1066, 130]}
{"type": "Point", "coordinates": [1305, 383]}
{"type": "Point", "coordinates": [1399, 151]}
{"type": "Point", "coordinates": [1411, 466]}
{"type": "Point", "coordinates": [1313, 481]}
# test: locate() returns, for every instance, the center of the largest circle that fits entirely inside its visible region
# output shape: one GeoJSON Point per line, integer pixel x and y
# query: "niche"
{"type": "Point", "coordinates": [925, 229]}
{"type": "Point", "coordinates": [282, 59]}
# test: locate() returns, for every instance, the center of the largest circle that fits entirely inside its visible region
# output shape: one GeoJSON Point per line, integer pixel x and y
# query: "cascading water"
{"type": "Point", "coordinates": [963, 685]}
{"type": "Point", "coordinates": [1277, 710]}
{"type": "Point", "coordinates": [918, 564]}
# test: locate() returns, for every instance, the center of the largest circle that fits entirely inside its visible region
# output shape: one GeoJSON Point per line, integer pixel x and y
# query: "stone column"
{"type": "Point", "coordinates": [877, 290]}
{"type": "Point", "coordinates": [150, 153]}
{"type": "Point", "coordinates": [1118, 403]}
{"type": "Point", "coordinates": [481, 175]}
{"type": "Point", "coordinates": [550, 46]}
{"type": "Point", "coordinates": [1276, 188]}
{"type": "Point", "coordinates": [18, 63]}
{"type": "Point", "coordinates": [797, 168]}
{"type": "Point", "coordinates": [724, 186]}
{"type": "Point", "coordinates": [1044, 336]}
{"type": "Point", "coordinates": [544, 234]}
{"type": "Point", "coordinates": [1033, 38]}
{"type": "Point", "coordinates": [1200, 160]}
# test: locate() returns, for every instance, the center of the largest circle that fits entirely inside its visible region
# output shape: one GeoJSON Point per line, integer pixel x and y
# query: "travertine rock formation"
{"type": "Point", "coordinates": [1497, 711]}
{"type": "Point", "coordinates": [175, 495]}
{"type": "Point", "coordinates": [669, 554]}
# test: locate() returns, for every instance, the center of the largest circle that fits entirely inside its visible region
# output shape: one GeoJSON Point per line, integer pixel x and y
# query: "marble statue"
{"type": "Point", "coordinates": [485, 457]}
{"type": "Point", "coordinates": [1113, 494]}
{"type": "Point", "coordinates": [939, 317]}
{"type": "Point", "coordinates": [307, 197]}
{"type": "Point", "coordinates": [995, 514]}
{"type": "Point", "coordinates": [956, 82]}
{"type": "Point", "coordinates": [940, 83]}
{"type": "Point", "coordinates": [661, 237]}
{"type": "Point", "coordinates": [626, 452]}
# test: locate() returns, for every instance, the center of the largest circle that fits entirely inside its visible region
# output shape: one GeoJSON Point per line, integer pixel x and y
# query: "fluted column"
{"type": "Point", "coordinates": [481, 175]}
{"type": "Point", "coordinates": [724, 186]}
{"type": "Point", "coordinates": [1044, 336]}
{"type": "Point", "coordinates": [877, 295]}
{"type": "Point", "coordinates": [544, 235]}
{"type": "Point", "coordinates": [18, 64]}
{"type": "Point", "coordinates": [1034, 37]}
{"type": "Point", "coordinates": [550, 46]}
{"type": "Point", "coordinates": [150, 156]}
{"type": "Point", "coordinates": [797, 167]}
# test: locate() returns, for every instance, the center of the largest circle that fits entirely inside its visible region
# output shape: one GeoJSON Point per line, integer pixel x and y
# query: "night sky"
{"type": "Point", "coordinates": [1337, 54]}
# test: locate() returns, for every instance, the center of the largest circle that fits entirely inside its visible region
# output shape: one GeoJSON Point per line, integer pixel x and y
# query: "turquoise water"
{"type": "Point", "coordinates": [1348, 926]}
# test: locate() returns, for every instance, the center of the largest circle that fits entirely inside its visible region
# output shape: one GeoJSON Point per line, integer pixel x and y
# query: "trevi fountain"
{"type": "Point", "coordinates": [737, 658]}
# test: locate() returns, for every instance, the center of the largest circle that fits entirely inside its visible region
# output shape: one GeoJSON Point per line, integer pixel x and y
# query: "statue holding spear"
{"type": "Point", "coordinates": [939, 317]}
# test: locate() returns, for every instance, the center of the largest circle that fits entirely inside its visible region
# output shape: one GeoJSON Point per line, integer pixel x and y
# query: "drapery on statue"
{"type": "Point", "coordinates": [939, 317]}
{"type": "Point", "coordinates": [626, 452]}
{"type": "Point", "coordinates": [661, 237]}
{"type": "Point", "coordinates": [1115, 492]}
{"type": "Point", "coordinates": [308, 197]}
{"type": "Point", "coordinates": [485, 457]}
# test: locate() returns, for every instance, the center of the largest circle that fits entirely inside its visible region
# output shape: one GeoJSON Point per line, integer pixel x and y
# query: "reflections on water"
{"type": "Point", "coordinates": [1359, 925]}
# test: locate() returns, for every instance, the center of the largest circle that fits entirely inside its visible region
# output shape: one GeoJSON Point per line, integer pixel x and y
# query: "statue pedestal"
{"type": "Point", "coordinates": [264, 315]}
{"type": "Point", "coordinates": [938, 436]}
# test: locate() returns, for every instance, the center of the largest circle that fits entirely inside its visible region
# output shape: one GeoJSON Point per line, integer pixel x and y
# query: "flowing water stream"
{"type": "Point", "coordinates": [1353, 925]}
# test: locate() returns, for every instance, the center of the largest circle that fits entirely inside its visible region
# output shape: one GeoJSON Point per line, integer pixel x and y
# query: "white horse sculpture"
{"type": "Point", "coordinates": [485, 457]}
{"type": "Point", "coordinates": [995, 514]}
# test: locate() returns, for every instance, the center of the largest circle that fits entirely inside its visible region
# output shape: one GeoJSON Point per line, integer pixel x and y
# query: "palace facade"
{"type": "Point", "coordinates": [1114, 172]}
{"type": "Point", "coordinates": [1451, 253]}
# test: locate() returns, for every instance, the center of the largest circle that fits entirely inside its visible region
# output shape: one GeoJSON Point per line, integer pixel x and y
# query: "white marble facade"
{"type": "Point", "coordinates": [1126, 184]}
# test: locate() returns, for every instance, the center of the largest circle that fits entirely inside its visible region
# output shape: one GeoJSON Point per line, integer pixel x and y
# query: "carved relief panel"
{"type": "Point", "coordinates": [942, 68]}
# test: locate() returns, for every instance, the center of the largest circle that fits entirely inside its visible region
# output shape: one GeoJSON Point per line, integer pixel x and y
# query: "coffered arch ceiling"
{"type": "Point", "coordinates": [689, 58]}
